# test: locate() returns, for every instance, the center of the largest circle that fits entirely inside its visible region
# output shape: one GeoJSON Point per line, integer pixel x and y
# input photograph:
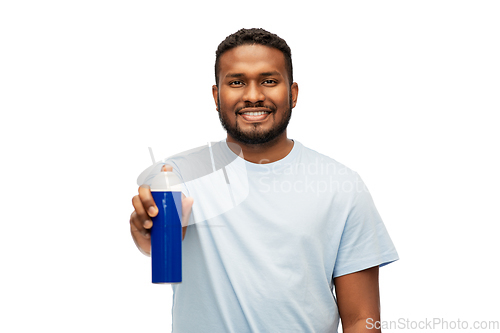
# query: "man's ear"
{"type": "Point", "coordinates": [215, 93]}
{"type": "Point", "coordinates": [295, 93]}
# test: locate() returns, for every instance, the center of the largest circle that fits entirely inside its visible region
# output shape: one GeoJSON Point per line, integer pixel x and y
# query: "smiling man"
{"type": "Point", "coordinates": [307, 226]}
{"type": "Point", "coordinates": [256, 96]}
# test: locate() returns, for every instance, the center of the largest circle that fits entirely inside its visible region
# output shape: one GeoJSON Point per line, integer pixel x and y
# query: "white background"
{"type": "Point", "coordinates": [404, 92]}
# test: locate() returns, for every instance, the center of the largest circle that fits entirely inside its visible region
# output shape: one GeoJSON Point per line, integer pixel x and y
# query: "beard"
{"type": "Point", "coordinates": [257, 136]}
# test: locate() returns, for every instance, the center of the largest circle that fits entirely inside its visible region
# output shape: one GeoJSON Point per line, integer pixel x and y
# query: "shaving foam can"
{"type": "Point", "coordinates": [166, 232]}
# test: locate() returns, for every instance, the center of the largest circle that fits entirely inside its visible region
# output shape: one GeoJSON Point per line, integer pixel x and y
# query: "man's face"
{"type": "Point", "coordinates": [254, 97]}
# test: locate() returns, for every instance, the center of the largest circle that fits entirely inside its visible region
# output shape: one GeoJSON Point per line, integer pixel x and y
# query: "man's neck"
{"type": "Point", "coordinates": [264, 153]}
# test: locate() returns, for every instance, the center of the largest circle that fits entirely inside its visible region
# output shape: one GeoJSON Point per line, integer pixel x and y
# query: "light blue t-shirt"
{"type": "Point", "coordinates": [266, 240]}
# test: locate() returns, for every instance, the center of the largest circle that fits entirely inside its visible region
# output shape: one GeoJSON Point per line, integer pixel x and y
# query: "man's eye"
{"type": "Point", "coordinates": [235, 83]}
{"type": "Point", "coordinates": [269, 81]}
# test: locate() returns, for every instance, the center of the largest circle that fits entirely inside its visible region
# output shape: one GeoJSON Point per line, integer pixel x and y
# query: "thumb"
{"type": "Point", "coordinates": [187, 205]}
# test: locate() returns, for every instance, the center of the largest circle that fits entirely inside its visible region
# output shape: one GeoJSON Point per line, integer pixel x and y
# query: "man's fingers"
{"type": "Point", "coordinates": [137, 226]}
{"type": "Point", "coordinates": [187, 205]}
{"type": "Point", "coordinates": [147, 200]}
{"type": "Point", "coordinates": [141, 218]}
{"type": "Point", "coordinates": [141, 240]}
{"type": "Point", "coordinates": [167, 167]}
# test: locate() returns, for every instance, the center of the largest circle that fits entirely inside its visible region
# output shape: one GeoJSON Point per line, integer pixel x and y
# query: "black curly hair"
{"type": "Point", "coordinates": [254, 36]}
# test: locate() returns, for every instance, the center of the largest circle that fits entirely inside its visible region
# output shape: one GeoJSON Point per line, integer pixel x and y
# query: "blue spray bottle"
{"type": "Point", "coordinates": [166, 233]}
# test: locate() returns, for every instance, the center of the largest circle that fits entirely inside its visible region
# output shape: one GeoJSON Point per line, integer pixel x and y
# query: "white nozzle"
{"type": "Point", "coordinates": [166, 181]}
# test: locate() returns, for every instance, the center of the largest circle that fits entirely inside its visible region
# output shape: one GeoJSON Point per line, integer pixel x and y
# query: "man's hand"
{"type": "Point", "coordinates": [144, 209]}
{"type": "Point", "coordinates": [359, 301]}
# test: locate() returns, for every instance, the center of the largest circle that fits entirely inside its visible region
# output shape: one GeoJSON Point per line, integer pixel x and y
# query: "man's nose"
{"type": "Point", "coordinates": [253, 93]}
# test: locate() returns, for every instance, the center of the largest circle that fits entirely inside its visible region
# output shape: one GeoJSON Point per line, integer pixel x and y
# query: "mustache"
{"type": "Point", "coordinates": [271, 108]}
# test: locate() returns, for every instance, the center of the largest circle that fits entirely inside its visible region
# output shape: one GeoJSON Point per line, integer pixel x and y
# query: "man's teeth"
{"type": "Point", "coordinates": [255, 113]}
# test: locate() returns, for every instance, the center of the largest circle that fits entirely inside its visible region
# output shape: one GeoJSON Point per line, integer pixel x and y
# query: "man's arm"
{"type": "Point", "coordinates": [358, 301]}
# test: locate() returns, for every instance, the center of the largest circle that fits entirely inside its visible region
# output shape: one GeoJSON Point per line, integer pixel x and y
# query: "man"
{"type": "Point", "coordinates": [301, 222]}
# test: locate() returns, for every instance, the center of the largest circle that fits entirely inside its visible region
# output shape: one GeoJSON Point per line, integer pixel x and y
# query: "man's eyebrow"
{"type": "Point", "coordinates": [270, 73]}
{"type": "Point", "coordinates": [234, 75]}
{"type": "Point", "coordinates": [261, 74]}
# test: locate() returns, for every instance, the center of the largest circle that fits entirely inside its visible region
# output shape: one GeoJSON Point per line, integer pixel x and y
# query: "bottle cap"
{"type": "Point", "coordinates": [166, 181]}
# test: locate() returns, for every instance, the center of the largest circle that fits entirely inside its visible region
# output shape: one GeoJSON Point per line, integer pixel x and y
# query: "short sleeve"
{"type": "Point", "coordinates": [365, 241]}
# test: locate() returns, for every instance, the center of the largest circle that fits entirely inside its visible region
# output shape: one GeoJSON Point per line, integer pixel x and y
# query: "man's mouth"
{"type": "Point", "coordinates": [255, 115]}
